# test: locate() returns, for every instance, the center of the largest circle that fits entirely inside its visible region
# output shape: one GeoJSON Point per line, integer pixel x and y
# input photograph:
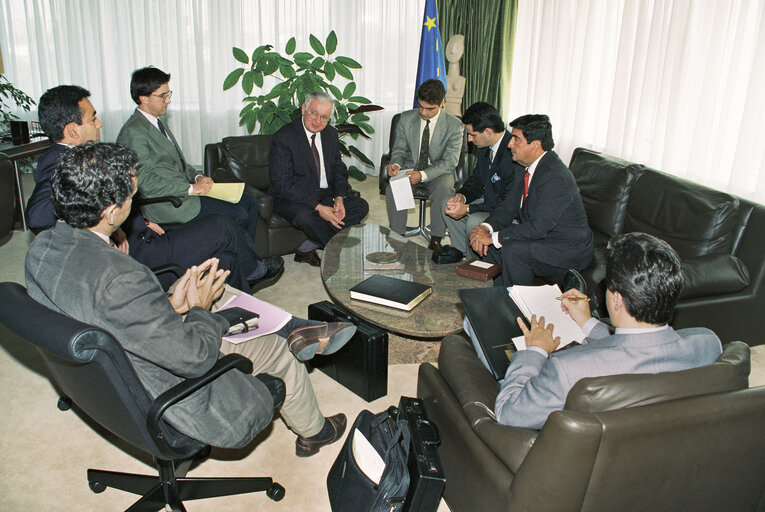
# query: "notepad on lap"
{"type": "Point", "coordinates": [543, 302]}
{"type": "Point", "coordinates": [391, 292]}
{"type": "Point", "coordinates": [229, 192]}
{"type": "Point", "coordinates": [403, 196]}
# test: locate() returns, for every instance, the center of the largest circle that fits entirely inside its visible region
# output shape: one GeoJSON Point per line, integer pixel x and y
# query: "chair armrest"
{"type": "Point", "coordinates": [383, 178]}
{"type": "Point", "coordinates": [182, 390]}
{"type": "Point", "coordinates": [174, 200]}
{"type": "Point", "coordinates": [223, 175]}
{"type": "Point", "coordinates": [169, 267]}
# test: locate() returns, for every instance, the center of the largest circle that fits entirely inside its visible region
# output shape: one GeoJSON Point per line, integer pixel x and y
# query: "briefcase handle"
{"type": "Point", "coordinates": [428, 432]}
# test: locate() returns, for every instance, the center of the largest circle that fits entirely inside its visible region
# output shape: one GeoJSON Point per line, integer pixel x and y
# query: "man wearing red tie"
{"type": "Point", "coordinates": [541, 227]}
{"type": "Point", "coordinates": [309, 181]}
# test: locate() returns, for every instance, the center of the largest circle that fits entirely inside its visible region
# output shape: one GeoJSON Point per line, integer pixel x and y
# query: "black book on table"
{"type": "Point", "coordinates": [392, 292]}
{"type": "Point", "coordinates": [492, 313]}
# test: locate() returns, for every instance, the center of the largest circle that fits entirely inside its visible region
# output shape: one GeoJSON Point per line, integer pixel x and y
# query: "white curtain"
{"type": "Point", "coordinates": [676, 85]}
{"type": "Point", "coordinates": [98, 43]}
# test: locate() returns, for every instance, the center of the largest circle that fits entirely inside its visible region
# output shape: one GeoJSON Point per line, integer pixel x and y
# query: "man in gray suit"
{"type": "Point", "coordinates": [72, 268]}
{"type": "Point", "coordinates": [427, 141]}
{"type": "Point", "coordinates": [643, 281]}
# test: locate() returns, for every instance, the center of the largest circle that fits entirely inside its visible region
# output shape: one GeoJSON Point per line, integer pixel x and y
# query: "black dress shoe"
{"type": "Point", "coordinates": [435, 243]}
{"type": "Point", "coordinates": [274, 268]}
{"type": "Point", "coordinates": [307, 446]}
{"type": "Point", "coordinates": [573, 279]}
{"type": "Point", "coordinates": [275, 386]}
{"type": "Point", "coordinates": [310, 257]}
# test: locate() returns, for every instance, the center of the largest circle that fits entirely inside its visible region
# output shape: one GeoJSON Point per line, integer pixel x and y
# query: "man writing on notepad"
{"type": "Point", "coordinates": [643, 281]}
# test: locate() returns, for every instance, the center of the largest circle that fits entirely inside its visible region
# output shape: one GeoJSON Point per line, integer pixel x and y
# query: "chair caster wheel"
{"type": "Point", "coordinates": [64, 403]}
{"type": "Point", "coordinates": [275, 492]}
{"type": "Point", "coordinates": [96, 487]}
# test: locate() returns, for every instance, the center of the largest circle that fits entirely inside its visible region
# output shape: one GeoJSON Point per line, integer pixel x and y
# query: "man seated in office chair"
{"type": "Point", "coordinates": [68, 118]}
{"type": "Point", "coordinates": [72, 268]}
{"type": "Point", "coordinates": [643, 281]}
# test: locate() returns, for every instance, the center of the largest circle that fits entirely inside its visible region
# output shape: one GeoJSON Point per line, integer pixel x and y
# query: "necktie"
{"type": "Point", "coordinates": [162, 129]}
{"type": "Point", "coordinates": [491, 157]}
{"type": "Point", "coordinates": [526, 185]}
{"type": "Point", "coordinates": [316, 158]}
{"type": "Point", "coordinates": [422, 163]}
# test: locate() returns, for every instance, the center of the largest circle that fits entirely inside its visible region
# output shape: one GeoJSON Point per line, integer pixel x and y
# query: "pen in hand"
{"type": "Point", "coordinates": [573, 299]}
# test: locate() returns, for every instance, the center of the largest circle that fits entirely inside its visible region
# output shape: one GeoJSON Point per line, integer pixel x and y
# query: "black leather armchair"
{"type": "Point", "coordinates": [245, 159]}
{"type": "Point", "coordinates": [688, 440]}
{"type": "Point", "coordinates": [7, 196]}
{"type": "Point", "coordinates": [420, 192]}
{"type": "Point", "coordinates": [91, 369]}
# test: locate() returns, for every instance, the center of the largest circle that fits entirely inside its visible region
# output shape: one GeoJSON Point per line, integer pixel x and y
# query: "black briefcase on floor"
{"type": "Point", "coordinates": [362, 364]}
{"type": "Point", "coordinates": [426, 476]}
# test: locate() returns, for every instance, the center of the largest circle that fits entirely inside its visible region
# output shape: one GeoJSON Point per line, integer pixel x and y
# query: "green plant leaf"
{"type": "Point", "coordinates": [260, 50]}
{"type": "Point", "coordinates": [247, 82]}
{"type": "Point", "coordinates": [359, 99]}
{"type": "Point", "coordinates": [232, 78]}
{"type": "Point", "coordinates": [355, 118]}
{"type": "Point", "coordinates": [316, 44]}
{"type": "Point", "coordinates": [270, 63]}
{"type": "Point", "coordinates": [246, 109]}
{"type": "Point", "coordinates": [240, 55]}
{"type": "Point", "coordinates": [329, 71]}
{"type": "Point", "coordinates": [361, 156]}
{"type": "Point", "coordinates": [355, 172]}
{"type": "Point", "coordinates": [286, 71]}
{"type": "Point", "coordinates": [343, 148]}
{"type": "Point", "coordinates": [331, 42]}
{"type": "Point", "coordinates": [290, 48]}
{"type": "Point", "coordinates": [336, 92]}
{"type": "Point", "coordinates": [257, 79]}
{"type": "Point", "coordinates": [350, 88]}
{"type": "Point", "coordinates": [366, 127]}
{"type": "Point", "coordinates": [343, 71]}
{"type": "Point", "coordinates": [250, 123]}
{"type": "Point", "coordinates": [351, 106]}
{"type": "Point", "coordinates": [317, 63]}
{"type": "Point", "coordinates": [348, 62]}
{"type": "Point", "coordinates": [304, 56]}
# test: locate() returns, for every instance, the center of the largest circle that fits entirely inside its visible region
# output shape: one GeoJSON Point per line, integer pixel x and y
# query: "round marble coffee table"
{"type": "Point", "coordinates": [358, 252]}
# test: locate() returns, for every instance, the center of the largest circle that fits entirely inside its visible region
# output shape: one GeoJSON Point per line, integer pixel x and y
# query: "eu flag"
{"type": "Point", "coordinates": [431, 63]}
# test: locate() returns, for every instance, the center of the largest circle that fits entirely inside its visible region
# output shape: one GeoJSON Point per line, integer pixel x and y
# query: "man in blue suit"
{"type": "Point", "coordinates": [643, 281]}
{"type": "Point", "coordinates": [541, 229]}
{"type": "Point", "coordinates": [492, 179]}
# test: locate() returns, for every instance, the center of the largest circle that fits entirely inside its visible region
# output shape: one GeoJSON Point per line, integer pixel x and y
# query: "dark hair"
{"type": "Point", "coordinates": [647, 273]}
{"type": "Point", "coordinates": [535, 127]}
{"type": "Point", "coordinates": [482, 115]}
{"type": "Point", "coordinates": [58, 107]}
{"type": "Point", "coordinates": [145, 81]}
{"type": "Point", "coordinates": [431, 91]}
{"type": "Point", "coordinates": [90, 178]}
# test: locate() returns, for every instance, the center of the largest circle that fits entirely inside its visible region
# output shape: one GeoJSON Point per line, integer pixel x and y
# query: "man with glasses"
{"type": "Point", "coordinates": [309, 181]}
{"type": "Point", "coordinates": [164, 171]}
{"type": "Point", "coordinates": [427, 143]}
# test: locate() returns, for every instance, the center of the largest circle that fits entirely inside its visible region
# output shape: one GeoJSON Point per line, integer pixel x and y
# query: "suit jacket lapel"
{"type": "Point", "coordinates": [157, 136]}
{"type": "Point", "coordinates": [304, 146]}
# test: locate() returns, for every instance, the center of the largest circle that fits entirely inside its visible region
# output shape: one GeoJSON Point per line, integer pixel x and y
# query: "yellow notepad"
{"type": "Point", "coordinates": [231, 192]}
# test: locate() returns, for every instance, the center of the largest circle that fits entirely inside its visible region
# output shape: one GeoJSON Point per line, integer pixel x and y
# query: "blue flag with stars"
{"type": "Point", "coordinates": [431, 63]}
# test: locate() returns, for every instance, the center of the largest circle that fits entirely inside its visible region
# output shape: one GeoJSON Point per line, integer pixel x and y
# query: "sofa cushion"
{"type": "Point", "coordinates": [604, 184]}
{"type": "Point", "coordinates": [695, 220]}
{"type": "Point", "coordinates": [247, 158]}
{"type": "Point", "coordinates": [713, 274]}
{"type": "Point", "coordinates": [729, 373]}
{"type": "Point", "coordinates": [476, 390]}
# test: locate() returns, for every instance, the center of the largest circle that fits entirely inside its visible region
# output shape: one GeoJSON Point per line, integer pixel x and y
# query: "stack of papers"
{"type": "Point", "coordinates": [543, 301]}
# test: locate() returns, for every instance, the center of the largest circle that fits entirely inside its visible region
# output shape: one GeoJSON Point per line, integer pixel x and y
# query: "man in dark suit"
{"type": "Point", "coordinates": [309, 181]}
{"type": "Point", "coordinates": [541, 229]}
{"type": "Point", "coordinates": [643, 282]}
{"type": "Point", "coordinates": [68, 119]}
{"type": "Point", "coordinates": [73, 269]}
{"type": "Point", "coordinates": [490, 182]}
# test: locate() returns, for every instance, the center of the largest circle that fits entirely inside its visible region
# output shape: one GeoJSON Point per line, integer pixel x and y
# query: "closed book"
{"type": "Point", "coordinates": [391, 292]}
{"type": "Point", "coordinates": [480, 270]}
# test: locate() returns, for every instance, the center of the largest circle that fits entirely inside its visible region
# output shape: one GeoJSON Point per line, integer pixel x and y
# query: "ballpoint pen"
{"type": "Point", "coordinates": [574, 299]}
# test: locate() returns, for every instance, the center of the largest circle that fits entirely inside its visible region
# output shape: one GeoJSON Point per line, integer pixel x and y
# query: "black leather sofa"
{"type": "Point", "coordinates": [720, 238]}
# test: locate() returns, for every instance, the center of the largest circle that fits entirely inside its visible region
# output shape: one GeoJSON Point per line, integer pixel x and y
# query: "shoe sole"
{"type": "Point", "coordinates": [267, 282]}
{"type": "Point", "coordinates": [336, 342]}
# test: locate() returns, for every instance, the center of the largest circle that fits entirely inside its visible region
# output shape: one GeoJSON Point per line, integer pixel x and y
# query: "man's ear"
{"type": "Point", "coordinates": [72, 131]}
{"type": "Point", "coordinates": [144, 99]}
{"type": "Point", "coordinates": [617, 301]}
{"type": "Point", "coordinates": [109, 214]}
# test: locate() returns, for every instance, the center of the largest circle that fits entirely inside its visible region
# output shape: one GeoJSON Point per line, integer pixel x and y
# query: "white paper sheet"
{"type": "Point", "coordinates": [402, 190]}
{"type": "Point", "coordinates": [367, 458]}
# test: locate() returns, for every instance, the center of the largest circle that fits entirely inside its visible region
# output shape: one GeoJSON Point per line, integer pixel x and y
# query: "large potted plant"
{"type": "Point", "coordinates": [304, 72]}
{"type": "Point", "coordinates": [10, 96]}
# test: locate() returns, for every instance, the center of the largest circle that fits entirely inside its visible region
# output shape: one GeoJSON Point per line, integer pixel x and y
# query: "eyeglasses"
{"type": "Point", "coordinates": [315, 115]}
{"type": "Point", "coordinates": [165, 95]}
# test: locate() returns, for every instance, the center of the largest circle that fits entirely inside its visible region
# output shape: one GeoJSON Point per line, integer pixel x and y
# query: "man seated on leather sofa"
{"type": "Point", "coordinates": [72, 268]}
{"type": "Point", "coordinates": [643, 280]}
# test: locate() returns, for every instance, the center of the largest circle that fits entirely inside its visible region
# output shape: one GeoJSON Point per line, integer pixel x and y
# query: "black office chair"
{"type": "Point", "coordinates": [92, 370]}
{"type": "Point", "coordinates": [419, 191]}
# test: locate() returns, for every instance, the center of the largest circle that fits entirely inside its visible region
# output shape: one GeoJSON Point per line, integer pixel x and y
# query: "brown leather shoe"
{"type": "Point", "coordinates": [307, 446]}
{"type": "Point", "coordinates": [435, 243]}
{"type": "Point", "coordinates": [310, 257]}
{"type": "Point", "coordinates": [326, 338]}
